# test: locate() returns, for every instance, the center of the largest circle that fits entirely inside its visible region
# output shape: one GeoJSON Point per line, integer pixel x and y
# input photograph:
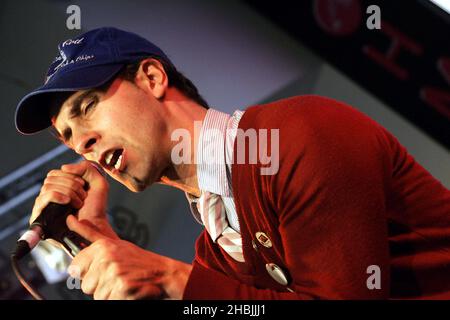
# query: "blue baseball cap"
{"type": "Point", "coordinates": [85, 62]}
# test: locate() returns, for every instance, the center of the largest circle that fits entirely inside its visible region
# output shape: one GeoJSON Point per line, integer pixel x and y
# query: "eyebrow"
{"type": "Point", "coordinates": [75, 111]}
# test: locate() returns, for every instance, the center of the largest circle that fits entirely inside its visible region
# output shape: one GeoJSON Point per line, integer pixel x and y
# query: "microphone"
{"type": "Point", "coordinates": [51, 224]}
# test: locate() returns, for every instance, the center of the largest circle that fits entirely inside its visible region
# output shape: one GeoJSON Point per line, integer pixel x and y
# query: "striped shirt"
{"type": "Point", "coordinates": [214, 159]}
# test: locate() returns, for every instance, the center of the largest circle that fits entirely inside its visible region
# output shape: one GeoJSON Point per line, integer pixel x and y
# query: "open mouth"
{"type": "Point", "coordinates": [113, 159]}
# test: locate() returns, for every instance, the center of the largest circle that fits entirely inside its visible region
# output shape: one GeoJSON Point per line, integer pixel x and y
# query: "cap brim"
{"type": "Point", "coordinates": [32, 112]}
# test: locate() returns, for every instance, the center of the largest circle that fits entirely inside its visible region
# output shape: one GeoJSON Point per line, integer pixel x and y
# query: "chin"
{"type": "Point", "coordinates": [137, 186]}
{"type": "Point", "coordinates": [133, 184]}
{"type": "Point", "coordinates": [140, 184]}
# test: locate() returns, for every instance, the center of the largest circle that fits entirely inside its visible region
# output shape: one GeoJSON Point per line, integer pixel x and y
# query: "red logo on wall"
{"type": "Point", "coordinates": [338, 17]}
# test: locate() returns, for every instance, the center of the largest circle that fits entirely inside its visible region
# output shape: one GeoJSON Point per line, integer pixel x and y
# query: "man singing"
{"type": "Point", "coordinates": [331, 199]}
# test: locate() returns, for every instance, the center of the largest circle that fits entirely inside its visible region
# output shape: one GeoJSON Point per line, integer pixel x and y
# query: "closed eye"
{"type": "Point", "coordinates": [88, 107]}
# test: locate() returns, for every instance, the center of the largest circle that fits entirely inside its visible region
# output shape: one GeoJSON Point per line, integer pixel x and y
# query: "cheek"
{"type": "Point", "coordinates": [132, 116]}
{"type": "Point", "coordinates": [134, 105]}
{"type": "Point", "coordinates": [136, 128]}
{"type": "Point", "coordinates": [125, 115]}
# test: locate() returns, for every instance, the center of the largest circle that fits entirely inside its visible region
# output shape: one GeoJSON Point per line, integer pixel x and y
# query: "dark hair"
{"type": "Point", "coordinates": [176, 79]}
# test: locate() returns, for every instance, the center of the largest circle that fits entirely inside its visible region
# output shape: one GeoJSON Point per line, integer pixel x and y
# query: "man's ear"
{"type": "Point", "coordinates": [152, 77]}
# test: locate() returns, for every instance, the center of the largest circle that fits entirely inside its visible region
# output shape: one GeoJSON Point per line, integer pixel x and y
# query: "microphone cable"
{"type": "Point", "coordinates": [15, 266]}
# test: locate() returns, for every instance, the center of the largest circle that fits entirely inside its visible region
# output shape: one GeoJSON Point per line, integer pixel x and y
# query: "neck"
{"type": "Point", "coordinates": [183, 113]}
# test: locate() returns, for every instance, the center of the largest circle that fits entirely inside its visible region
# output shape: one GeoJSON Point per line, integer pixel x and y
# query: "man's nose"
{"type": "Point", "coordinates": [86, 143]}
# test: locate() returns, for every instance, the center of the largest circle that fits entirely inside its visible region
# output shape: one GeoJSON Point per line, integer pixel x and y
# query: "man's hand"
{"type": "Point", "coordinates": [117, 269]}
{"type": "Point", "coordinates": [68, 186]}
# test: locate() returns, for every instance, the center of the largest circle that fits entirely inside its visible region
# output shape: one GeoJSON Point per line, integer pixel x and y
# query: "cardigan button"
{"type": "Point", "coordinates": [276, 273]}
{"type": "Point", "coordinates": [263, 239]}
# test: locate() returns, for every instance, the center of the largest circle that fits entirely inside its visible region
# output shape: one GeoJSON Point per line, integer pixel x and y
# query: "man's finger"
{"type": "Point", "coordinates": [78, 168]}
{"type": "Point", "coordinates": [73, 184]}
{"type": "Point", "coordinates": [71, 176]}
{"type": "Point", "coordinates": [91, 278]}
{"type": "Point", "coordinates": [84, 228]}
{"type": "Point", "coordinates": [88, 171]}
{"type": "Point", "coordinates": [83, 260]}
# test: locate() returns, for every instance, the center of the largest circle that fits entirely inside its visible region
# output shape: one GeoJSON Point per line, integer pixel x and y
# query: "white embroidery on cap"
{"type": "Point", "coordinates": [69, 42]}
{"type": "Point", "coordinates": [62, 56]}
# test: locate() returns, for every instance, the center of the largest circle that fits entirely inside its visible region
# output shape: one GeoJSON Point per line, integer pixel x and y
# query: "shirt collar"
{"type": "Point", "coordinates": [211, 154]}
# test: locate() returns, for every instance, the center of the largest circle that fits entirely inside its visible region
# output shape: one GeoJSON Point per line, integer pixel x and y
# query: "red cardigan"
{"type": "Point", "coordinates": [347, 196]}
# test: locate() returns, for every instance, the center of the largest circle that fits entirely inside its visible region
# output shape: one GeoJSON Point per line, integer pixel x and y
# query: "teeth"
{"type": "Point", "coordinates": [118, 163]}
{"type": "Point", "coordinates": [108, 158]}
